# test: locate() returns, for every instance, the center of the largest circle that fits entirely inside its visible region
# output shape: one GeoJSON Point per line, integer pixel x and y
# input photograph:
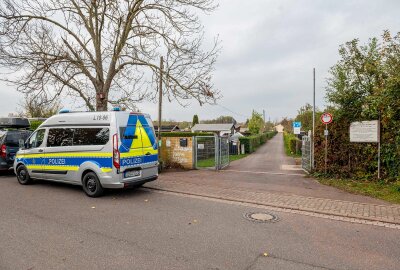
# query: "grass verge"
{"type": "Point", "coordinates": [378, 189]}
{"type": "Point", "coordinates": [236, 157]}
{"type": "Point", "coordinates": [210, 162]}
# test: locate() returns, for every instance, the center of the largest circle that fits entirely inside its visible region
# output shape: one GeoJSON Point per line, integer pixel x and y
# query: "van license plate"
{"type": "Point", "coordinates": [132, 173]}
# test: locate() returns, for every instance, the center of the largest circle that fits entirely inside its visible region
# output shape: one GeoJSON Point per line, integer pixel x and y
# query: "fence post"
{"type": "Point", "coordinates": [194, 152]}
{"type": "Point", "coordinates": [216, 151]}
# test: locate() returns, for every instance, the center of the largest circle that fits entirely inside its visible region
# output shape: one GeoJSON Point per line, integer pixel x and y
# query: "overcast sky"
{"type": "Point", "coordinates": [269, 51]}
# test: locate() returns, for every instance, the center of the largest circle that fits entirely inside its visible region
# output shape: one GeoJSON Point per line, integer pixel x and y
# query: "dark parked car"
{"type": "Point", "coordinates": [12, 133]}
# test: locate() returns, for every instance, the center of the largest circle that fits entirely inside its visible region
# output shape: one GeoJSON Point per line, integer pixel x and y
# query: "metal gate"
{"type": "Point", "coordinates": [306, 154]}
{"type": "Point", "coordinates": [211, 152]}
{"type": "Point", "coordinates": [223, 157]}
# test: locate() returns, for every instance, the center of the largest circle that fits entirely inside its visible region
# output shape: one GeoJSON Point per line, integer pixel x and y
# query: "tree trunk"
{"type": "Point", "coordinates": [101, 102]}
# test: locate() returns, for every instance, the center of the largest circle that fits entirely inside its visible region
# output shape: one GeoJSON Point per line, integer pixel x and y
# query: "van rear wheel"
{"type": "Point", "coordinates": [91, 185]}
{"type": "Point", "coordinates": [23, 175]}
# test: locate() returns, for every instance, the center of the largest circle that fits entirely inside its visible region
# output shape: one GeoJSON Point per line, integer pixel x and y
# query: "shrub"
{"type": "Point", "coordinates": [35, 125]}
{"type": "Point", "coordinates": [251, 143]}
{"type": "Point", "coordinates": [291, 141]}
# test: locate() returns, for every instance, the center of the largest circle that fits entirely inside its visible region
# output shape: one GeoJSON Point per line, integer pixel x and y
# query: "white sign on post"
{"type": "Point", "coordinates": [296, 128]}
{"type": "Point", "coordinates": [365, 131]}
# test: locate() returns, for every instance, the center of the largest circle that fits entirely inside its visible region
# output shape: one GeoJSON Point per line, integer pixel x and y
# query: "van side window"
{"type": "Point", "coordinates": [91, 136]}
{"type": "Point", "coordinates": [36, 139]}
{"type": "Point", "coordinates": [60, 137]}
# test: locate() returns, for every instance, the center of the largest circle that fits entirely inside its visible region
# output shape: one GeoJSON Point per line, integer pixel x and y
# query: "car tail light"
{"type": "Point", "coordinates": [3, 151]}
{"type": "Point", "coordinates": [116, 155]}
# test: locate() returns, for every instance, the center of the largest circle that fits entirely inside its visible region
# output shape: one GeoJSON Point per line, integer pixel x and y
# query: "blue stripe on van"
{"type": "Point", "coordinates": [70, 161]}
{"type": "Point", "coordinates": [132, 161]}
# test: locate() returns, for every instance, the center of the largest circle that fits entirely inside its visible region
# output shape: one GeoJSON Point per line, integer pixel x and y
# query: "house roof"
{"type": "Point", "coordinates": [167, 128]}
{"type": "Point", "coordinates": [212, 127]}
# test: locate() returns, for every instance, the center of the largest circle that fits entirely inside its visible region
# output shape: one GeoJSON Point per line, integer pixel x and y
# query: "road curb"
{"type": "Point", "coordinates": [297, 210]}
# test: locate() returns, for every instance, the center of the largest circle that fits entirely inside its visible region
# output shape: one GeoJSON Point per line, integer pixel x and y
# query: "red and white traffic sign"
{"type": "Point", "coordinates": [326, 118]}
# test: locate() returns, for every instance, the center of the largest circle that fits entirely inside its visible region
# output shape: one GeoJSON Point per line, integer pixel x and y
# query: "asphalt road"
{"type": "Point", "coordinates": [55, 226]}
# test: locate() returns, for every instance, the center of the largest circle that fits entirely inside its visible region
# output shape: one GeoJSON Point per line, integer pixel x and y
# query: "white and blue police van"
{"type": "Point", "coordinates": [97, 150]}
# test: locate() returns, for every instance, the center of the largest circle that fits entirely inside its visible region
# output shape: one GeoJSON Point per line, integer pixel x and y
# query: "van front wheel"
{"type": "Point", "coordinates": [92, 185]}
{"type": "Point", "coordinates": [23, 175]}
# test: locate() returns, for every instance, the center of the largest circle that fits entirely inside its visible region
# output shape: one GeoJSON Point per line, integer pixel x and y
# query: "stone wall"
{"type": "Point", "coordinates": [175, 156]}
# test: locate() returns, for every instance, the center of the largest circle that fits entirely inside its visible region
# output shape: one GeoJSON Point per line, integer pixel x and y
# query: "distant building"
{"type": "Point", "coordinates": [169, 128]}
{"type": "Point", "coordinates": [220, 129]}
{"type": "Point", "coordinates": [279, 128]}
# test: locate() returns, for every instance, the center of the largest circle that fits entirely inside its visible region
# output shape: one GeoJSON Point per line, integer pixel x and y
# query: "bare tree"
{"type": "Point", "coordinates": [36, 106]}
{"type": "Point", "coordinates": [106, 51]}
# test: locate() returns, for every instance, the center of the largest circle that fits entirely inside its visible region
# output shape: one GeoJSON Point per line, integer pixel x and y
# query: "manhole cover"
{"type": "Point", "coordinates": [261, 217]}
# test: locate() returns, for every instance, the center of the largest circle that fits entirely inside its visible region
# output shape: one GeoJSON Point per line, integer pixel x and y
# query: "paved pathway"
{"type": "Point", "coordinates": [261, 179]}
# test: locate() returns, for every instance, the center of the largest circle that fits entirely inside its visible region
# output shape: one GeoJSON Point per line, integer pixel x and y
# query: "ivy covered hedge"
{"type": "Point", "coordinates": [251, 143]}
{"type": "Point", "coordinates": [363, 85]}
{"type": "Point", "coordinates": [357, 160]}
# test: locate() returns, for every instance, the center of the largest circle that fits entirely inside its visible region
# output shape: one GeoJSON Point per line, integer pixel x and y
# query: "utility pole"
{"type": "Point", "coordinates": [326, 148]}
{"type": "Point", "coordinates": [379, 147]}
{"type": "Point", "coordinates": [264, 119]}
{"type": "Point", "coordinates": [264, 115]}
{"type": "Point", "coordinates": [313, 121]}
{"type": "Point", "coordinates": [160, 95]}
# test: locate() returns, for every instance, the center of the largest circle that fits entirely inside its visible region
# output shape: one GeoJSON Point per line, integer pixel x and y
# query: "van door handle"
{"type": "Point", "coordinates": [40, 150]}
{"type": "Point", "coordinates": [148, 154]}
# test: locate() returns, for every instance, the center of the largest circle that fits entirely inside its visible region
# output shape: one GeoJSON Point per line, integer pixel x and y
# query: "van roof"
{"type": "Point", "coordinates": [85, 118]}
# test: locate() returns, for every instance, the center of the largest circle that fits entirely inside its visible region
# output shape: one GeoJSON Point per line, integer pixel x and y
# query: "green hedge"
{"type": "Point", "coordinates": [35, 125]}
{"type": "Point", "coordinates": [290, 141]}
{"type": "Point", "coordinates": [251, 143]}
{"type": "Point", "coordinates": [185, 134]}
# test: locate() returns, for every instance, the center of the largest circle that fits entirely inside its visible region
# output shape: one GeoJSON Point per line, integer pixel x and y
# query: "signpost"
{"type": "Point", "coordinates": [326, 118]}
{"type": "Point", "coordinates": [297, 131]}
{"type": "Point", "coordinates": [364, 131]}
{"type": "Point", "coordinates": [296, 128]}
{"type": "Point", "coordinates": [367, 132]}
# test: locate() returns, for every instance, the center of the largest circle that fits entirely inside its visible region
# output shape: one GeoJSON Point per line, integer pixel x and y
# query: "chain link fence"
{"type": "Point", "coordinates": [211, 152]}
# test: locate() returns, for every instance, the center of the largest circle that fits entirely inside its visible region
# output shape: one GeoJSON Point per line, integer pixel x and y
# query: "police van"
{"type": "Point", "coordinates": [98, 150]}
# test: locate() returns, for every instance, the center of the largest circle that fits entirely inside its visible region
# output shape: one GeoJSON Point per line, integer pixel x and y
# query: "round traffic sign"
{"type": "Point", "coordinates": [326, 118]}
